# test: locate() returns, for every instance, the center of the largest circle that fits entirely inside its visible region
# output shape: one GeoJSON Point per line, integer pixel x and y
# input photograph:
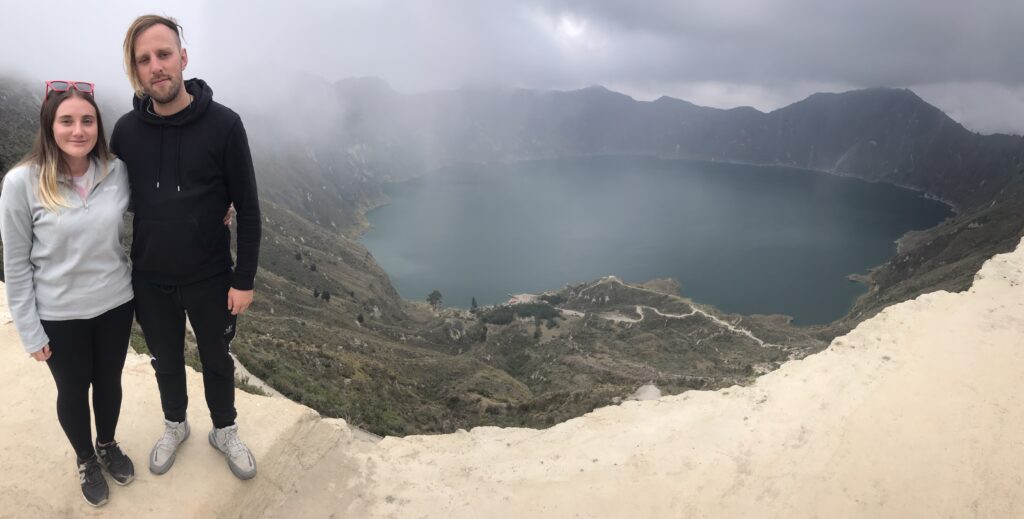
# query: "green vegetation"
{"type": "Point", "coordinates": [434, 298]}
{"type": "Point", "coordinates": [243, 384]}
{"type": "Point", "coordinates": [553, 299]}
{"type": "Point", "coordinates": [505, 314]}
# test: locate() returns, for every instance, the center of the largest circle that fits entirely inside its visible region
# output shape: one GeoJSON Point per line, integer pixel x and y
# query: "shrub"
{"type": "Point", "coordinates": [505, 314]}
{"type": "Point", "coordinates": [553, 299]}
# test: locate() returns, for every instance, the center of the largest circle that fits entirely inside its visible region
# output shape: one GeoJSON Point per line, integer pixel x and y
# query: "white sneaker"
{"type": "Point", "coordinates": [240, 458]}
{"type": "Point", "coordinates": [162, 456]}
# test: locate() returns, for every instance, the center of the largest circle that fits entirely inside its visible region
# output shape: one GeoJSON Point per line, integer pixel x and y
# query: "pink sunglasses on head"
{"type": "Point", "coordinates": [63, 86]}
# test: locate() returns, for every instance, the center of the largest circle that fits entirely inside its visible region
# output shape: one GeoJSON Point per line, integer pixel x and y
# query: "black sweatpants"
{"type": "Point", "coordinates": [161, 311]}
{"type": "Point", "coordinates": [84, 353]}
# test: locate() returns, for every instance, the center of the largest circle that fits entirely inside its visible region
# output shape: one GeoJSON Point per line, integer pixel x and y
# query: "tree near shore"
{"type": "Point", "coordinates": [434, 299]}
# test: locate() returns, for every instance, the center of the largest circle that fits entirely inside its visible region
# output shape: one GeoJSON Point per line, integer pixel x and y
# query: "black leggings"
{"type": "Point", "coordinates": [83, 353]}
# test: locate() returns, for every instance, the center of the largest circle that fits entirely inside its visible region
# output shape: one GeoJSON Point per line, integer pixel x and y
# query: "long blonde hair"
{"type": "Point", "coordinates": [48, 157]}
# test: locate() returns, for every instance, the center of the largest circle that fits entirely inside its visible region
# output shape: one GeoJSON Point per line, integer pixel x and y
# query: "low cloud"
{"type": "Point", "coordinates": [962, 57]}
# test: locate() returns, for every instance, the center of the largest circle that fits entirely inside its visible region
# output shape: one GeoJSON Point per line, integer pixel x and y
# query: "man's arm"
{"type": "Point", "coordinates": [115, 139]}
{"type": "Point", "coordinates": [241, 183]}
{"type": "Point", "coordinates": [115, 148]}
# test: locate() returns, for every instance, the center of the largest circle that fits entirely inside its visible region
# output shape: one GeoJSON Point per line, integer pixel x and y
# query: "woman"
{"type": "Point", "coordinates": [68, 280]}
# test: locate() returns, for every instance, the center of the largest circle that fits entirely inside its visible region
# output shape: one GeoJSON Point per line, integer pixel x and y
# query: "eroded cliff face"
{"type": "Point", "coordinates": [915, 413]}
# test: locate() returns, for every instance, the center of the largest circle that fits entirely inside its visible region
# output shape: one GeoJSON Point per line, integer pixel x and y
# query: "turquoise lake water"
{"type": "Point", "coordinates": [746, 239]}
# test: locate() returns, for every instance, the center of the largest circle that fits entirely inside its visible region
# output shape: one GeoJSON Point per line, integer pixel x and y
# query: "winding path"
{"type": "Point", "coordinates": [640, 311]}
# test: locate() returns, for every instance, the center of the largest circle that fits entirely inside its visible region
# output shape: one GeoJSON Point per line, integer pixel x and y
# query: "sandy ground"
{"type": "Point", "coordinates": [916, 413]}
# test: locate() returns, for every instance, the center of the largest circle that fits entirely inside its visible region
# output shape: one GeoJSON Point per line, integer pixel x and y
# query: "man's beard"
{"type": "Point", "coordinates": [171, 93]}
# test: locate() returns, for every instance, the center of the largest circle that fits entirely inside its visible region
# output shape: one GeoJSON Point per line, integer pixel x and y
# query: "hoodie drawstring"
{"type": "Point", "coordinates": [199, 99]}
{"type": "Point", "coordinates": [177, 165]}
{"type": "Point", "coordinates": [177, 169]}
{"type": "Point", "coordinates": [160, 168]}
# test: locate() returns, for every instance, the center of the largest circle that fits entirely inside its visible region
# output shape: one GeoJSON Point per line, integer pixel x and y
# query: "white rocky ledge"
{"type": "Point", "coordinates": [916, 413]}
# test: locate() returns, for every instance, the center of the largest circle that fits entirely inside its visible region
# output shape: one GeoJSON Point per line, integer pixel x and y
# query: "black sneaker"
{"type": "Point", "coordinates": [94, 485]}
{"type": "Point", "coordinates": [117, 463]}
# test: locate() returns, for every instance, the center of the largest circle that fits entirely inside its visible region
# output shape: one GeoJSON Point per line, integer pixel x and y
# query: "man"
{"type": "Point", "coordinates": [188, 160]}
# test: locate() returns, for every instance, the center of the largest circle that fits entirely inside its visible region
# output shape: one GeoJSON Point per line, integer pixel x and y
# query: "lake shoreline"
{"type": "Point", "coordinates": [860, 278]}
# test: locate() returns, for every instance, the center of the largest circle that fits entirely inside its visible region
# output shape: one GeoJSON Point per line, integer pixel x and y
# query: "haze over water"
{"type": "Point", "coordinates": [746, 239]}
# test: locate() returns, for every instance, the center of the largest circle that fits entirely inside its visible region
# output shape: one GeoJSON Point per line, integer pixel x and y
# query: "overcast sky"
{"type": "Point", "coordinates": [967, 58]}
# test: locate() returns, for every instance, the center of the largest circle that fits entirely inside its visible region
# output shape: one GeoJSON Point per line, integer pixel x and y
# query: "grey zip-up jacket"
{"type": "Point", "coordinates": [67, 264]}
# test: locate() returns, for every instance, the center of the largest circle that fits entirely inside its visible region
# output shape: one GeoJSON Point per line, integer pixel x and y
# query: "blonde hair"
{"type": "Point", "coordinates": [134, 30]}
{"type": "Point", "coordinates": [47, 155]}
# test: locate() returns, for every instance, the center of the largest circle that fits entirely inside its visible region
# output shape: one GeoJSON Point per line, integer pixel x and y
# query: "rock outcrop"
{"type": "Point", "coordinates": [915, 413]}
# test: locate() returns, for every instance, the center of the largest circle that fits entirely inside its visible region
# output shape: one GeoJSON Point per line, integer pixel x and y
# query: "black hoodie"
{"type": "Point", "coordinates": [184, 170]}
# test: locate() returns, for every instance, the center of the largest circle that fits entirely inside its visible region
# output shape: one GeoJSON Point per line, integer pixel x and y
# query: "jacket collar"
{"type": "Point", "coordinates": [95, 165]}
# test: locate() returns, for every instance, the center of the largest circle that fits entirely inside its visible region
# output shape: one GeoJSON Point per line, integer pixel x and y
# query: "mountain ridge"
{"type": "Point", "coordinates": [849, 121]}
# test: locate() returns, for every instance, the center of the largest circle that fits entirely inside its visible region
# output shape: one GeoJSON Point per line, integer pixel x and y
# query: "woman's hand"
{"type": "Point", "coordinates": [230, 215]}
{"type": "Point", "coordinates": [43, 354]}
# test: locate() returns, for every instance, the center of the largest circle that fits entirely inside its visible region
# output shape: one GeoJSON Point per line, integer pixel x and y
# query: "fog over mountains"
{"type": "Point", "coordinates": [963, 58]}
{"type": "Point", "coordinates": [888, 135]}
{"type": "Point", "coordinates": [396, 367]}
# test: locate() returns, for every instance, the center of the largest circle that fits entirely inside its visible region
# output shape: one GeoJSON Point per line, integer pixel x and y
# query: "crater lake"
{"type": "Point", "coordinates": [745, 239]}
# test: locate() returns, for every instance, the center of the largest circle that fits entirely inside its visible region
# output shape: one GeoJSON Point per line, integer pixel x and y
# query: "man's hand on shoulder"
{"type": "Point", "coordinates": [239, 300]}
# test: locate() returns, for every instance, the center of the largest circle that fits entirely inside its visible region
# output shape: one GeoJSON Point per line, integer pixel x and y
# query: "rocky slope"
{"type": "Point", "coordinates": [19, 118]}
